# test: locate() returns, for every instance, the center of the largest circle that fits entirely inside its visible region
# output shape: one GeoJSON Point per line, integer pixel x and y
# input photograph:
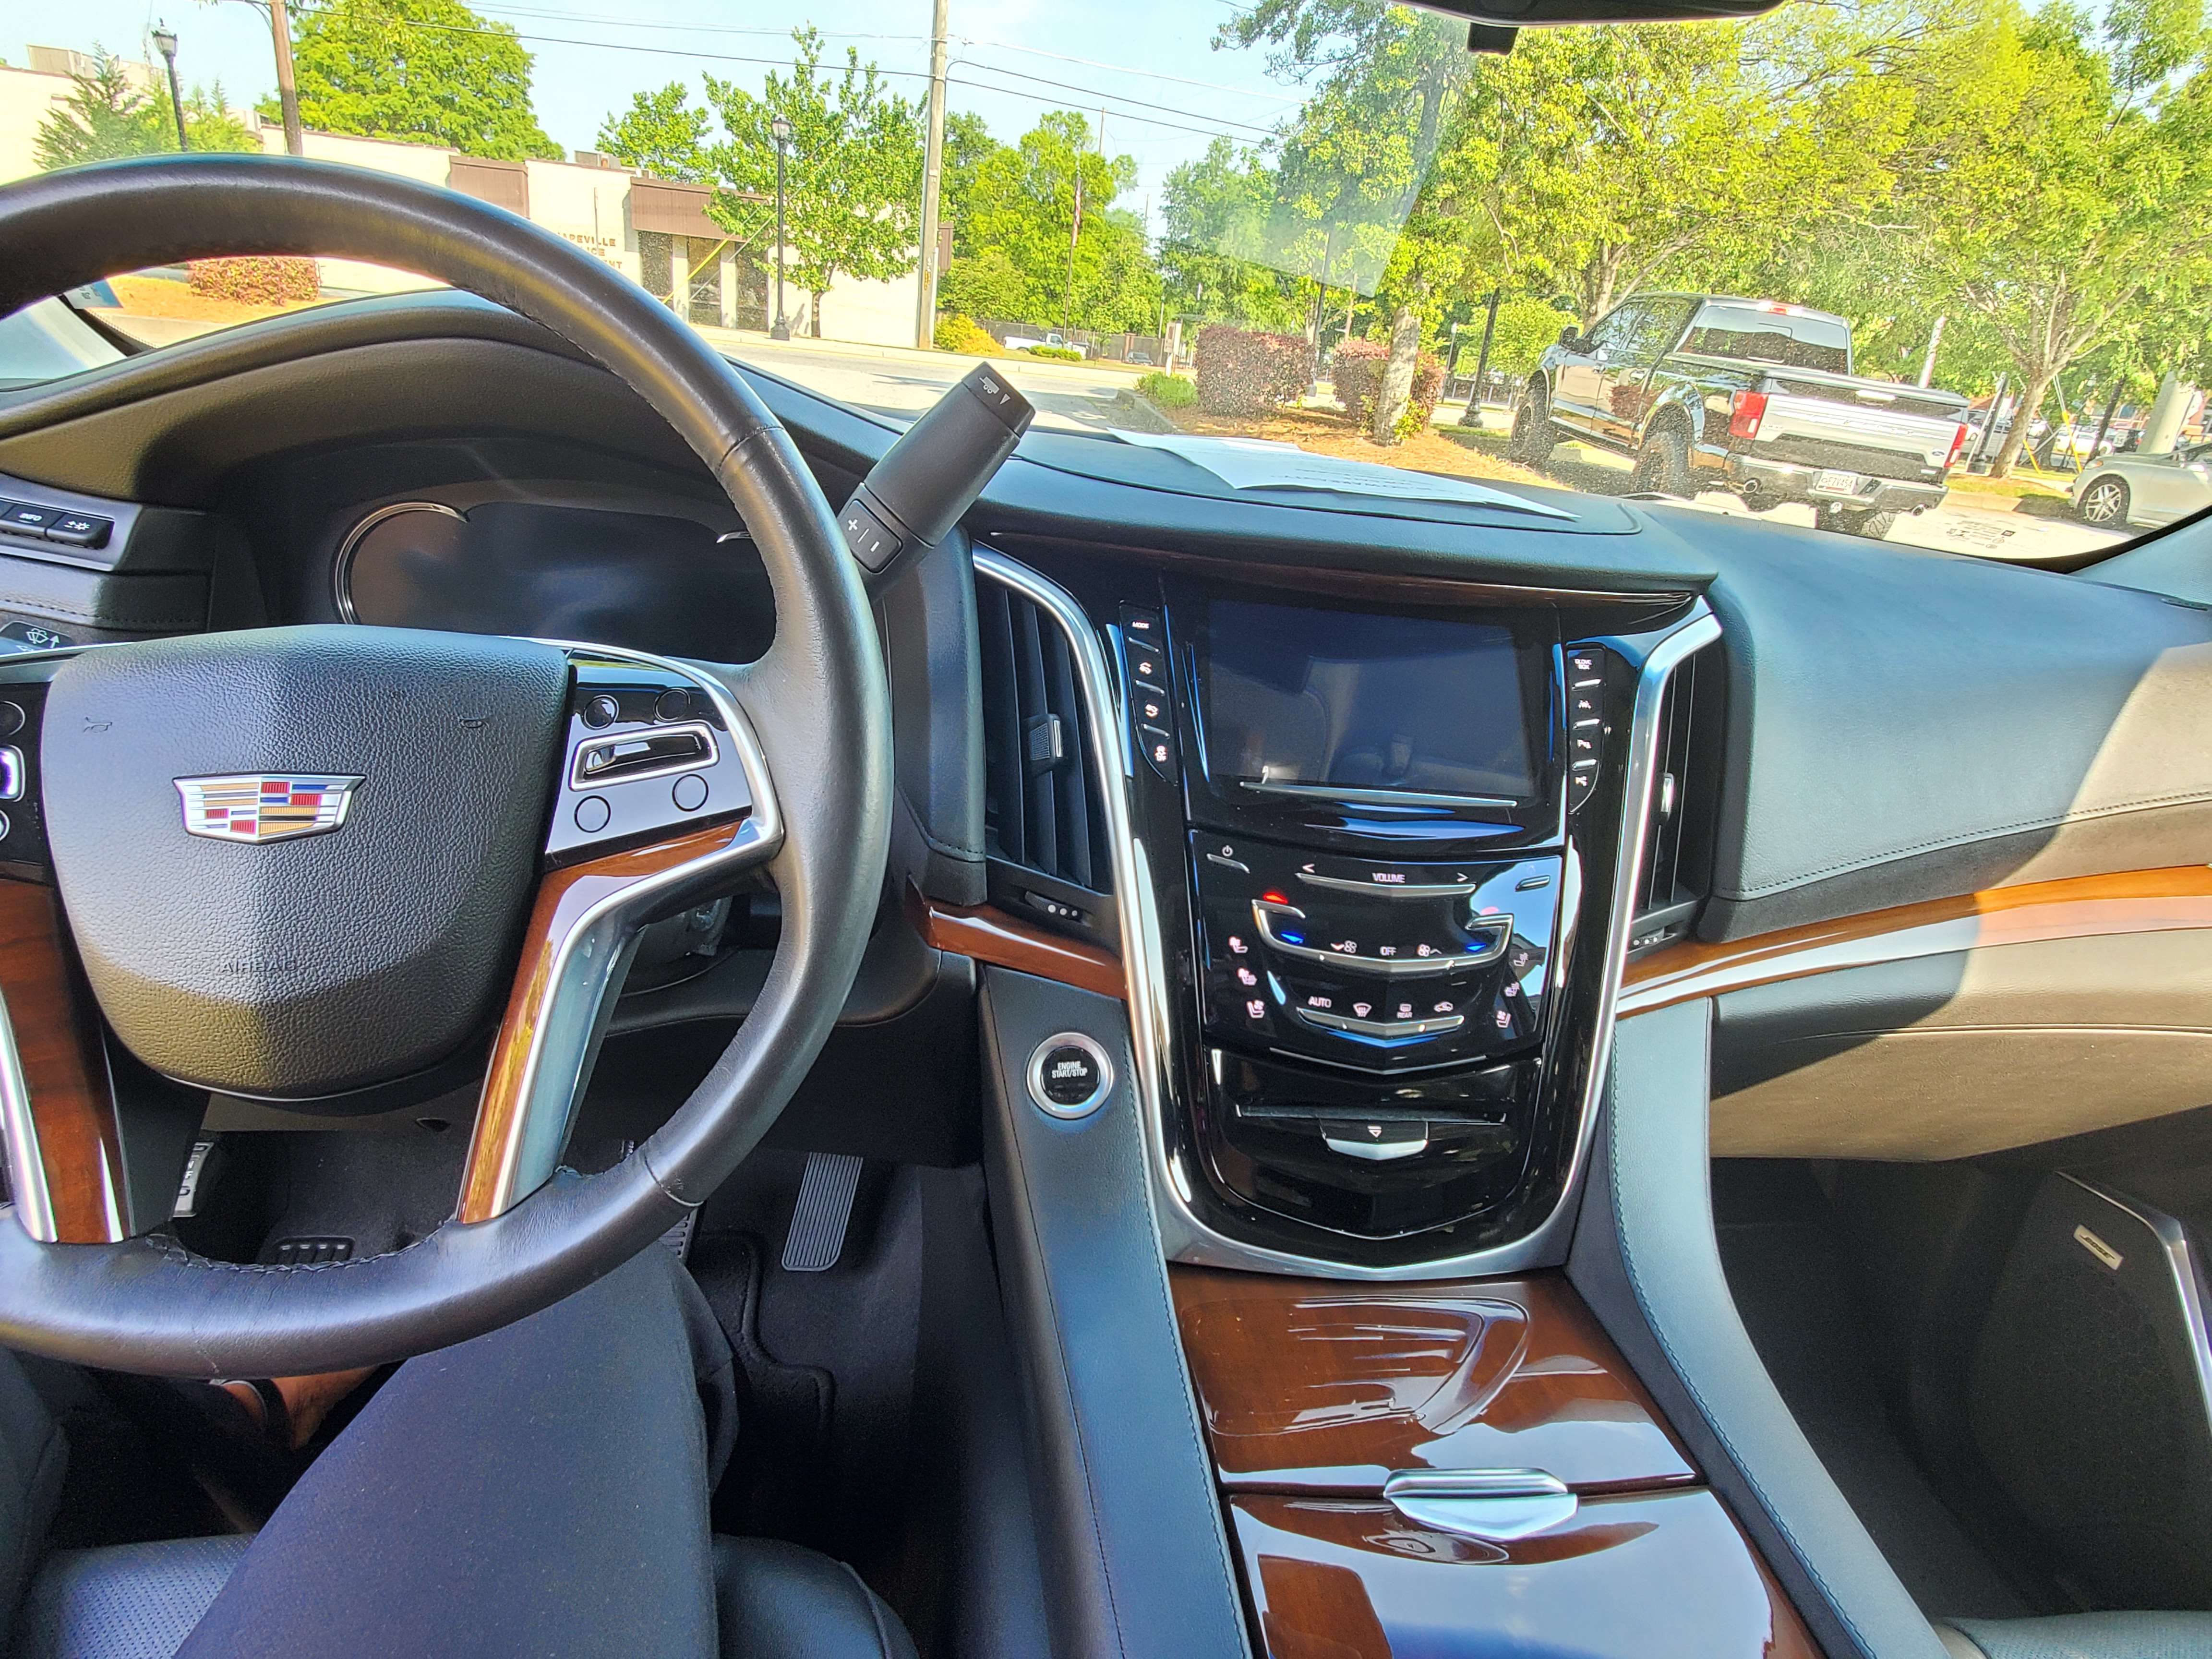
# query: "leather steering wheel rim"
{"type": "Point", "coordinates": [145, 1304]}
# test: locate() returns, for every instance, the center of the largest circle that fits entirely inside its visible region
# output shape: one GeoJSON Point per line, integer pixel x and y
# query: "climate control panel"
{"type": "Point", "coordinates": [1384, 966]}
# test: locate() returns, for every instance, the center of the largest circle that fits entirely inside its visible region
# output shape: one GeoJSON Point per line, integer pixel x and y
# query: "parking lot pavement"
{"type": "Point", "coordinates": [1962, 524]}
{"type": "Point", "coordinates": [901, 382]}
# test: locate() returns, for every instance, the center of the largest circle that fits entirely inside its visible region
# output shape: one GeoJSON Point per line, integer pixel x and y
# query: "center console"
{"type": "Point", "coordinates": [1384, 843]}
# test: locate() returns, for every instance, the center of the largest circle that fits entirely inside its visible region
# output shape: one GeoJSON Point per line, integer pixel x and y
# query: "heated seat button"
{"type": "Point", "coordinates": [1158, 745]}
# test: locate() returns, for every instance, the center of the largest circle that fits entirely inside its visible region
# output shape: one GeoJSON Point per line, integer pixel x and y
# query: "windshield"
{"type": "Point", "coordinates": [1324, 245]}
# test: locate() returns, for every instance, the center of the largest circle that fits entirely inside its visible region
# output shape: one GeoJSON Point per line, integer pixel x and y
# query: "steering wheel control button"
{"type": "Point", "coordinates": [11, 719]}
{"type": "Point", "coordinates": [689, 793]}
{"type": "Point", "coordinates": [672, 705]}
{"type": "Point", "coordinates": [593, 813]}
{"type": "Point", "coordinates": [1070, 1076]}
{"type": "Point", "coordinates": [601, 712]}
{"type": "Point", "coordinates": [11, 774]}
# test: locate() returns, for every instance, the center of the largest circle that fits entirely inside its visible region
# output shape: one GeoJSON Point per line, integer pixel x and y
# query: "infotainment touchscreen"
{"type": "Point", "coordinates": [1319, 701]}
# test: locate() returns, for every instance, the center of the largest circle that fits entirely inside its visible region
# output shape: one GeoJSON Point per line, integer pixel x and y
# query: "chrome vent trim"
{"type": "Point", "coordinates": [1044, 810]}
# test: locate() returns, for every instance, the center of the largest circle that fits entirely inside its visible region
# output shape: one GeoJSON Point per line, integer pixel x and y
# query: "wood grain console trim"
{"type": "Point", "coordinates": [987, 933]}
{"type": "Point", "coordinates": [2168, 899]}
{"type": "Point", "coordinates": [564, 896]}
{"type": "Point", "coordinates": [1313, 1386]}
{"type": "Point", "coordinates": [64, 1063]}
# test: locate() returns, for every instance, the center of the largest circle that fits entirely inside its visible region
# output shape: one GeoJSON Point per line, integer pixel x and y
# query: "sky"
{"type": "Point", "coordinates": [1165, 92]}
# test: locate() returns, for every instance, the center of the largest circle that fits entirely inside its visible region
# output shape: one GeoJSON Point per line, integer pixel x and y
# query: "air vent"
{"type": "Point", "coordinates": [1045, 827]}
{"type": "Point", "coordinates": [1678, 850]}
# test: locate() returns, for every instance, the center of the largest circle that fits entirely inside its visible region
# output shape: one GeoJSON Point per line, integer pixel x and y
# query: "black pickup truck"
{"type": "Point", "coordinates": [1708, 392]}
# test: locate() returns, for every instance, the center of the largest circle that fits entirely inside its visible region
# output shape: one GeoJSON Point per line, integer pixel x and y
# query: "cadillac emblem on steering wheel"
{"type": "Point", "coordinates": [258, 806]}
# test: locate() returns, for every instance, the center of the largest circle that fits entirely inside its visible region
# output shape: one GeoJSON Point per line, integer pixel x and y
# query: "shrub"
{"type": "Point", "coordinates": [1058, 354]}
{"type": "Point", "coordinates": [1358, 376]}
{"type": "Point", "coordinates": [958, 332]}
{"type": "Point", "coordinates": [1243, 372]}
{"type": "Point", "coordinates": [258, 279]}
{"type": "Point", "coordinates": [1168, 391]}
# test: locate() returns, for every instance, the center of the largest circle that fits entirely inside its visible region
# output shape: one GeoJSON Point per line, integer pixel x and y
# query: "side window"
{"type": "Point", "coordinates": [1658, 324]}
{"type": "Point", "coordinates": [1614, 330]}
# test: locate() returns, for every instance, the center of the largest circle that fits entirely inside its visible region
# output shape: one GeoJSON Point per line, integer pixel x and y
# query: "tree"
{"type": "Point", "coordinates": [1216, 211]}
{"type": "Point", "coordinates": [660, 135]}
{"type": "Point", "coordinates": [422, 71]}
{"type": "Point", "coordinates": [853, 188]}
{"type": "Point", "coordinates": [1085, 266]}
{"type": "Point", "coordinates": [2065, 195]}
{"type": "Point", "coordinates": [105, 118]}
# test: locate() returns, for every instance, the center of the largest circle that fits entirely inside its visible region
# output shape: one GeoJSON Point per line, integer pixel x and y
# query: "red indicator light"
{"type": "Point", "coordinates": [1275, 898]}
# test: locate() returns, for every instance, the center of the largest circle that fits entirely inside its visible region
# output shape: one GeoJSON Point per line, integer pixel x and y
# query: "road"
{"type": "Point", "coordinates": [1082, 397]}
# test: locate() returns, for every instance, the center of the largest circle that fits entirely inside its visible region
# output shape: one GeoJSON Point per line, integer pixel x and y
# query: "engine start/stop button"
{"type": "Point", "coordinates": [1070, 1076]}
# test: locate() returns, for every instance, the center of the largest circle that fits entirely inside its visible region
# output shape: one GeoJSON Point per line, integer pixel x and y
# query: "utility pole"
{"type": "Point", "coordinates": [288, 94]}
{"type": "Point", "coordinates": [933, 185]}
{"type": "Point", "coordinates": [1928, 362]}
{"type": "Point", "coordinates": [2111, 408]}
{"type": "Point", "coordinates": [165, 42]}
{"type": "Point", "coordinates": [1988, 426]}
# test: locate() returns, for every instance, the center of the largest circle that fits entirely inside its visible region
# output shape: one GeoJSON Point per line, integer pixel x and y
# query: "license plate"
{"type": "Point", "coordinates": [1834, 481]}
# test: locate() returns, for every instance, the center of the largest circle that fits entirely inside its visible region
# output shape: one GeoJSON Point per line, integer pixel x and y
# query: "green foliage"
{"type": "Point", "coordinates": [1524, 328]}
{"type": "Point", "coordinates": [1357, 374]}
{"type": "Point", "coordinates": [986, 284]}
{"type": "Point", "coordinates": [955, 332]}
{"type": "Point", "coordinates": [1058, 354]}
{"type": "Point", "coordinates": [105, 119]}
{"type": "Point", "coordinates": [1167, 390]}
{"type": "Point", "coordinates": [660, 135]}
{"type": "Point", "coordinates": [1242, 372]}
{"type": "Point", "coordinates": [422, 71]}
{"type": "Point", "coordinates": [852, 168]}
{"type": "Point", "coordinates": [1043, 243]}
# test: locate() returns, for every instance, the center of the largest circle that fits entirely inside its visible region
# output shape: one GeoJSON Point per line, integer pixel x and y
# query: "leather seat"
{"type": "Point", "coordinates": [774, 1599]}
{"type": "Point", "coordinates": [2081, 1636]}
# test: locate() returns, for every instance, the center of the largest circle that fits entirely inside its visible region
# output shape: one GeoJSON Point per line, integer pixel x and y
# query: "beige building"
{"type": "Point", "coordinates": [655, 232]}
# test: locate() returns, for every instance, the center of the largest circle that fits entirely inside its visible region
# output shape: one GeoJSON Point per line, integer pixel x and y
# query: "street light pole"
{"type": "Point", "coordinates": [165, 42]}
{"type": "Point", "coordinates": [779, 130]}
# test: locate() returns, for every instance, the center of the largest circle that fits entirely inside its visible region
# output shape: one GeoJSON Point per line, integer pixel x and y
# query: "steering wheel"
{"type": "Point", "coordinates": [295, 863]}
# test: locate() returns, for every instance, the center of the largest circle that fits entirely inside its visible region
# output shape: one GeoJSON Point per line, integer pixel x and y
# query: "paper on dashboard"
{"type": "Point", "coordinates": [1264, 463]}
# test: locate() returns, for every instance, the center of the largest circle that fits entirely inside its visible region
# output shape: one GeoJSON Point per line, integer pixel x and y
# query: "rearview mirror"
{"type": "Point", "coordinates": [1570, 336]}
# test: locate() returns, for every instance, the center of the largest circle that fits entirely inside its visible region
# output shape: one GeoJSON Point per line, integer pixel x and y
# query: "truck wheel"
{"type": "Point", "coordinates": [1663, 465]}
{"type": "Point", "coordinates": [1872, 525]}
{"type": "Point", "coordinates": [1532, 437]}
{"type": "Point", "coordinates": [2105, 501]}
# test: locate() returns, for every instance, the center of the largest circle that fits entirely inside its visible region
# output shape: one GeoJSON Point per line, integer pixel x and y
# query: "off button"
{"type": "Point", "coordinates": [1069, 1075]}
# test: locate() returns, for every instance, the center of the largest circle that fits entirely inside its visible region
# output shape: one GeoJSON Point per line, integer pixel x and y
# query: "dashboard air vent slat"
{"type": "Point", "coordinates": [1040, 810]}
{"type": "Point", "coordinates": [1677, 841]}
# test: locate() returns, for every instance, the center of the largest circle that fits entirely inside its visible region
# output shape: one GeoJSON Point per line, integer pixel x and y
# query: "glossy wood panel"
{"type": "Point", "coordinates": [2129, 902]}
{"type": "Point", "coordinates": [1645, 1576]}
{"type": "Point", "coordinates": [58, 1045]}
{"type": "Point", "coordinates": [564, 896]}
{"type": "Point", "coordinates": [987, 933]}
{"type": "Point", "coordinates": [1313, 1385]}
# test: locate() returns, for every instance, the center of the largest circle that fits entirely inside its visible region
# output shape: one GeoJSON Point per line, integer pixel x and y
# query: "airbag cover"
{"type": "Point", "coordinates": [299, 968]}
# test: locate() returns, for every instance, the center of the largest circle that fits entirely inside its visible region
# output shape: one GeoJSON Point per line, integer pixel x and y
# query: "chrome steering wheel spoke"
{"type": "Point", "coordinates": [663, 802]}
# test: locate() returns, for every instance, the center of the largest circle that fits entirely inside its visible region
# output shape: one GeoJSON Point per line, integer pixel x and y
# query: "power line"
{"type": "Point", "coordinates": [1124, 68]}
{"type": "Point", "coordinates": [1091, 92]}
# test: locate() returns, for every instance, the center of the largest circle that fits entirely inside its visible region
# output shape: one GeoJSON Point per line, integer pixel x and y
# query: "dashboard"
{"type": "Point", "coordinates": [1379, 820]}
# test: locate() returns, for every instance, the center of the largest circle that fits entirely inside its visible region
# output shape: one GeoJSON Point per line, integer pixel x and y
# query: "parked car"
{"type": "Point", "coordinates": [1141, 359]}
{"type": "Point", "coordinates": [1056, 341]}
{"type": "Point", "coordinates": [2145, 490]}
{"type": "Point", "coordinates": [1753, 396]}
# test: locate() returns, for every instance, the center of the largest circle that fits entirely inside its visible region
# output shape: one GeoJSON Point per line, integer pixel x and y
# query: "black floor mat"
{"type": "Point", "coordinates": [1789, 1277]}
